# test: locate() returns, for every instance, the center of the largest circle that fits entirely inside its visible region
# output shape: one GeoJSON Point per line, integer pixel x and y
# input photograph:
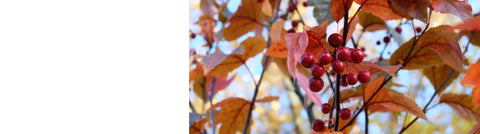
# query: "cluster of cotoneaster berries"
{"type": "Point", "coordinates": [343, 54]}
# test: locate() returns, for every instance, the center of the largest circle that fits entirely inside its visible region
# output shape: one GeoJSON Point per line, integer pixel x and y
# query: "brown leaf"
{"type": "Point", "coordinates": [220, 64]}
{"type": "Point", "coordinates": [390, 99]}
{"type": "Point", "coordinates": [436, 47]}
{"type": "Point", "coordinates": [232, 115]}
{"type": "Point", "coordinates": [247, 17]}
{"type": "Point", "coordinates": [411, 9]}
{"type": "Point", "coordinates": [458, 8]}
{"type": "Point", "coordinates": [373, 68]}
{"type": "Point", "coordinates": [462, 105]}
{"type": "Point", "coordinates": [268, 99]}
{"type": "Point", "coordinates": [441, 73]}
{"type": "Point", "coordinates": [198, 126]}
{"type": "Point", "coordinates": [347, 94]}
{"type": "Point", "coordinates": [379, 8]}
{"type": "Point", "coordinates": [337, 8]}
{"type": "Point", "coordinates": [207, 7]}
{"type": "Point", "coordinates": [367, 20]}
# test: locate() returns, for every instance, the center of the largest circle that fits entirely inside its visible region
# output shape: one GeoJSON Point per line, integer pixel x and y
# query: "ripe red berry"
{"type": "Point", "coordinates": [343, 80]}
{"type": "Point", "coordinates": [398, 29]}
{"type": "Point", "coordinates": [344, 114]}
{"type": "Point", "coordinates": [307, 60]}
{"type": "Point", "coordinates": [290, 8]}
{"type": "Point", "coordinates": [325, 58]}
{"type": "Point", "coordinates": [294, 23]}
{"type": "Point", "coordinates": [357, 55]}
{"type": "Point", "coordinates": [317, 70]}
{"type": "Point", "coordinates": [305, 4]}
{"type": "Point", "coordinates": [315, 84]}
{"type": "Point", "coordinates": [351, 79]}
{"type": "Point", "coordinates": [291, 30]}
{"type": "Point", "coordinates": [363, 49]}
{"type": "Point", "coordinates": [418, 29]}
{"type": "Point", "coordinates": [326, 108]}
{"type": "Point", "coordinates": [378, 43]}
{"type": "Point", "coordinates": [193, 35]}
{"type": "Point", "coordinates": [318, 125]}
{"type": "Point", "coordinates": [338, 67]}
{"type": "Point", "coordinates": [335, 40]}
{"type": "Point", "coordinates": [364, 77]}
{"type": "Point", "coordinates": [343, 54]}
{"type": "Point", "coordinates": [386, 39]}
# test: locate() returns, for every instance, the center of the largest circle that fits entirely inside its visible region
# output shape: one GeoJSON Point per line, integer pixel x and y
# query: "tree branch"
{"type": "Point", "coordinates": [210, 100]}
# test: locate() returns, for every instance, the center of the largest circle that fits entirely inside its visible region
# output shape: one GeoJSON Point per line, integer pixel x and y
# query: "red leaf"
{"type": "Point", "coordinates": [379, 8]}
{"type": "Point", "coordinates": [220, 83]}
{"type": "Point", "coordinates": [337, 8]}
{"type": "Point", "coordinates": [469, 25]}
{"type": "Point", "coordinates": [411, 9]}
{"type": "Point", "coordinates": [297, 43]}
{"type": "Point", "coordinates": [458, 8]}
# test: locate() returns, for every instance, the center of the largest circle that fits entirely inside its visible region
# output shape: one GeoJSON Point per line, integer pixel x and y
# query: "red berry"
{"type": "Point", "coordinates": [357, 55]}
{"type": "Point", "coordinates": [326, 108]}
{"type": "Point", "coordinates": [305, 4]}
{"type": "Point", "coordinates": [317, 70]}
{"type": "Point", "coordinates": [378, 43]}
{"type": "Point", "coordinates": [351, 79]}
{"type": "Point", "coordinates": [294, 23]}
{"type": "Point", "coordinates": [338, 67]}
{"type": "Point", "coordinates": [398, 29]}
{"type": "Point", "coordinates": [283, 16]}
{"type": "Point", "coordinates": [318, 125]}
{"type": "Point", "coordinates": [335, 40]}
{"type": "Point", "coordinates": [325, 58]}
{"type": "Point", "coordinates": [291, 30]}
{"type": "Point", "coordinates": [307, 60]}
{"type": "Point", "coordinates": [363, 49]}
{"type": "Point", "coordinates": [315, 84]}
{"type": "Point", "coordinates": [386, 39]}
{"type": "Point", "coordinates": [364, 77]}
{"type": "Point", "coordinates": [418, 29]}
{"type": "Point", "coordinates": [193, 35]}
{"type": "Point", "coordinates": [343, 54]}
{"type": "Point", "coordinates": [290, 8]}
{"type": "Point", "coordinates": [344, 114]}
{"type": "Point", "coordinates": [343, 80]}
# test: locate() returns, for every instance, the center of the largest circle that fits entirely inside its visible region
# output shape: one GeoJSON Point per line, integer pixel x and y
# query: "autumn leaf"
{"type": "Point", "coordinates": [278, 47]}
{"type": "Point", "coordinates": [207, 7]}
{"type": "Point", "coordinates": [438, 74]}
{"type": "Point", "coordinates": [371, 67]}
{"type": "Point", "coordinates": [386, 98]}
{"type": "Point", "coordinates": [297, 43]}
{"type": "Point", "coordinates": [411, 9]}
{"type": "Point", "coordinates": [206, 24]}
{"type": "Point", "coordinates": [220, 64]}
{"type": "Point", "coordinates": [337, 8]}
{"type": "Point", "coordinates": [198, 126]}
{"type": "Point", "coordinates": [458, 8]}
{"type": "Point", "coordinates": [233, 113]}
{"type": "Point", "coordinates": [379, 8]}
{"type": "Point", "coordinates": [267, 8]}
{"type": "Point", "coordinates": [435, 47]}
{"type": "Point", "coordinates": [317, 41]}
{"type": "Point", "coordinates": [462, 105]}
{"type": "Point", "coordinates": [475, 129]}
{"type": "Point", "coordinates": [202, 84]}
{"type": "Point", "coordinates": [370, 22]}
{"type": "Point", "coordinates": [223, 13]}
{"type": "Point", "coordinates": [247, 17]}
{"type": "Point", "coordinates": [347, 94]}
{"type": "Point", "coordinates": [472, 75]}
{"type": "Point", "coordinates": [468, 25]}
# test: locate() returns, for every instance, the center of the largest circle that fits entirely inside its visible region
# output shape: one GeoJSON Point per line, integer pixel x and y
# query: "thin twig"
{"type": "Point", "coordinates": [210, 100]}
{"type": "Point", "coordinates": [353, 42]}
{"type": "Point", "coordinates": [415, 39]}
{"type": "Point", "coordinates": [250, 72]}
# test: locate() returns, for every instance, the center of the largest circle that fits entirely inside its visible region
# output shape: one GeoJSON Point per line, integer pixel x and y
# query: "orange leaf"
{"type": "Point", "coordinates": [278, 47]}
{"type": "Point", "coordinates": [276, 30]}
{"type": "Point", "coordinates": [441, 74]}
{"type": "Point", "coordinates": [379, 8]}
{"type": "Point", "coordinates": [198, 126]}
{"type": "Point", "coordinates": [220, 64]}
{"type": "Point", "coordinates": [469, 25]}
{"type": "Point", "coordinates": [347, 94]}
{"type": "Point", "coordinates": [373, 68]}
{"type": "Point", "coordinates": [267, 8]}
{"type": "Point", "coordinates": [476, 96]}
{"type": "Point", "coordinates": [391, 99]}
{"type": "Point", "coordinates": [435, 47]}
{"type": "Point", "coordinates": [247, 17]}
{"type": "Point", "coordinates": [337, 8]}
{"type": "Point", "coordinates": [232, 115]}
{"type": "Point", "coordinates": [462, 105]}
{"type": "Point", "coordinates": [472, 76]}
{"type": "Point", "coordinates": [297, 43]}
{"type": "Point", "coordinates": [268, 99]}
{"type": "Point", "coordinates": [458, 8]}
{"type": "Point", "coordinates": [206, 24]}
{"type": "Point", "coordinates": [317, 39]}
{"type": "Point", "coordinates": [370, 22]}
{"type": "Point", "coordinates": [411, 9]}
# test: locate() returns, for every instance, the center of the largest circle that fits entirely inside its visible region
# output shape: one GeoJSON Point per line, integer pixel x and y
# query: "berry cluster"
{"type": "Point", "coordinates": [342, 55]}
